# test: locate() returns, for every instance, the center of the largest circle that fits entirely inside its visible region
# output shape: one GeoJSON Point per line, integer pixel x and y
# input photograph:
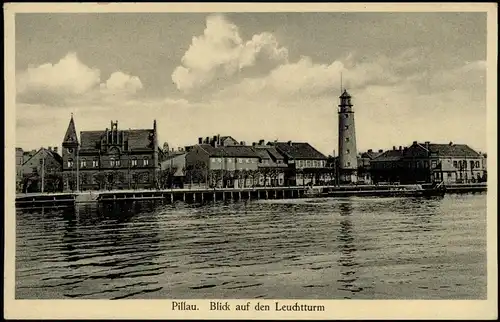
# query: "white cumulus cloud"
{"type": "Point", "coordinates": [221, 52]}
{"type": "Point", "coordinates": [69, 76]}
{"type": "Point", "coordinates": [120, 82]}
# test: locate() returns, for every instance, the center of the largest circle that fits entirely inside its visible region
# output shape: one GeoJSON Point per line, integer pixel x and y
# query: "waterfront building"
{"type": "Point", "coordinates": [272, 166]}
{"type": "Point", "coordinates": [429, 162]}
{"type": "Point", "coordinates": [348, 162]}
{"type": "Point", "coordinates": [111, 158]}
{"type": "Point", "coordinates": [306, 165]}
{"type": "Point", "coordinates": [387, 167]}
{"type": "Point", "coordinates": [451, 163]}
{"type": "Point", "coordinates": [41, 172]}
{"type": "Point", "coordinates": [221, 166]}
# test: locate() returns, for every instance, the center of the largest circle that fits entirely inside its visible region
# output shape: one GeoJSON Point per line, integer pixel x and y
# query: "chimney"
{"type": "Point", "coordinates": [400, 148]}
{"type": "Point", "coordinates": [50, 148]}
{"type": "Point", "coordinates": [427, 144]}
{"type": "Point", "coordinates": [370, 150]}
{"type": "Point", "coordinates": [207, 140]}
{"type": "Point", "coordinates": [173, 149]}
{"type": "Point", "coordinates": [242, 143]}
{"type": "Point", "coordinates": [261, 142]}
{"type": "Point", "coordinates": [254, 144]}
{"type": "Point", "coordinates": [218, 139]}
{"type": "Point", "coordinates": [380, 151]}
{"type": "Point", "coordinates": [55, 149]}
{"type": "Point", "coordinates": [393, 148]}
{"type": "Point", "coordinates": [290, 143]}
{"type": "Point", "coordinates": [414, 142]}
{"type": "Point", "coordinates": [200, 140]}
{"type": "Point", "coordinates": [451, 143]}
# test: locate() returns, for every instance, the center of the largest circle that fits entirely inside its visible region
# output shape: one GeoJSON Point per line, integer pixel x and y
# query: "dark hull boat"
{"type": "Point", "coordinates": [401, 191]}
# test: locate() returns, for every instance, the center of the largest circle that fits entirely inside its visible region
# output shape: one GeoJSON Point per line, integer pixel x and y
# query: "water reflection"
{"type": "Point", "coordinates": [107, 243]}
{"type": "Point", "coordinates": [347, 246]}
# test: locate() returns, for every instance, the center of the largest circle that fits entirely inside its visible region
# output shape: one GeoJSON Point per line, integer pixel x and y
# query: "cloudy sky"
{"type": "Point", "coordinates": [413, 76]}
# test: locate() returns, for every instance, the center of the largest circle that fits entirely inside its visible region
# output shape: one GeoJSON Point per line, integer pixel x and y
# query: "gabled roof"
{"type": "Point", "coordinates": [53, 154]}
{"type": "Point", "coordinates": [298, 150]}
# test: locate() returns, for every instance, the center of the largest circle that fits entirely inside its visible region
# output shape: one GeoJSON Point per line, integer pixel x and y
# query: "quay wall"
{"type": "Point", "coordinates": [206, 195]}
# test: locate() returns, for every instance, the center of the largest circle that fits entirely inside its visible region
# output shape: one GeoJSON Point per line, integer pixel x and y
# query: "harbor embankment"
{"type": "Point", "coordinates": [206, 195]}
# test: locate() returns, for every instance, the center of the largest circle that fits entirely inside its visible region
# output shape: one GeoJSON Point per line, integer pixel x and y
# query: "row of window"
{"type": "Point", "coordinates": [113, 163]}
{"type": "Point", "coordinates": [463, 164]}
{"type": "Point", "coordinates": [310, 164]}
{"type": "Point", "coordinates": [238, 160]}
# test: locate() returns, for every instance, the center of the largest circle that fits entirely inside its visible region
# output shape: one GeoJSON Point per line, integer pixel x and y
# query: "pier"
{"type": "Point", "coordinates": [203, 195]}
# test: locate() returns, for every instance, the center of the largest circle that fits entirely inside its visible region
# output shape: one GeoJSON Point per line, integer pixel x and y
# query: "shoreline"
{"type": "Point", "coordinates": [215, 194]}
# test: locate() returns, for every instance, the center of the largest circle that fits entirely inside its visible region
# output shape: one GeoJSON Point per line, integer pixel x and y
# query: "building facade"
{"type": "Point", "coordinates": [110, 159]}
{"type": "Point", "coordinates": [348, 162]}
{"type": "Point", "coordinates": [215, 165]}
{"type": "Point", "coordinates": [306, 165]}
{"type": "Point", "coordinates": [272, 167]}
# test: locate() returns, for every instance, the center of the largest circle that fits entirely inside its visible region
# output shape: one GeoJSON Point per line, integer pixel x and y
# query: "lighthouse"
{"type": "Point", "coordinates": [347, 159]}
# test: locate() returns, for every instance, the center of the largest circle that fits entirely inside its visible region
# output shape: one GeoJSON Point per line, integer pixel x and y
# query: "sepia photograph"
{"type": "Point", "coordinates": [277, 158]}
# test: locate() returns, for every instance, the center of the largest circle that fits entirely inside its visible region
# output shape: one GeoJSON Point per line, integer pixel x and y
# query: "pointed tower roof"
{"type": "Point", "coordinates": [70, 136]}
{"type": "Point", "coordinates": [345, 94]}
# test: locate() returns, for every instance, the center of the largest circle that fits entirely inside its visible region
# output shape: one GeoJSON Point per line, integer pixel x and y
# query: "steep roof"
{"type": "Point", "coordinates": [298, 150]}
{"type": "Point", "coordinates": [53, 154]}
{"type": "Point", "coordinates": [137, 138]}
{"type": "Point", "coordinates": [70, 136]}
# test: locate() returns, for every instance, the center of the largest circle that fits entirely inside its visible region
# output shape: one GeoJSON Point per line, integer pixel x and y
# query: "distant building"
{"type": "Point", "coordinates": [111, 158]}
{"type": "Point", "coordinates": [306, 165]}
{"type": "Point", "coordinates": [272, 166]}
{"type": "Point", "coordinates": [387, 166]}
{"type": "Point", "coordinates": [221, 166]}
{"type": "Point", "coordinates": [429, 162]}
{"type": "Point", "coordinates": [44, 166]}
{"type": "Point", "coordinates": [451, 163]}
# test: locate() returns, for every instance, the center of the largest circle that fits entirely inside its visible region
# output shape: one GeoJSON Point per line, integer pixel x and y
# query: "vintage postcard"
{"type": "Point", "coordinates": [250, 161]}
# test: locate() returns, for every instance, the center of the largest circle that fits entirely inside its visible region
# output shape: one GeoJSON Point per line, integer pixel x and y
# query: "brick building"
{"type": "Point", "coordinates": [110, 159]}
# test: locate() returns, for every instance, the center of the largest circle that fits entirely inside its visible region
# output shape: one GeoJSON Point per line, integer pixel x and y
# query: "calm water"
{"type": "Point", "coordinates": [357, 248]}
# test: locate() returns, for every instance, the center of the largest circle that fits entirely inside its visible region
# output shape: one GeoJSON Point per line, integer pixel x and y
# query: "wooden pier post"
{"type": "Point", "coordinates": [239, 195]}
{"type": "Point", "coordinates": [171, 198]}
{"type": "Point", "coordinates": [223, 195]}
{"type": "Point", "coordinates": [184, 196]}
{"type": "Point", "coordinates": [194, 196]}
{"type": "Point", "coordinates": [267, 194]}
{"type": "Point", "coordinates": [215, 196]}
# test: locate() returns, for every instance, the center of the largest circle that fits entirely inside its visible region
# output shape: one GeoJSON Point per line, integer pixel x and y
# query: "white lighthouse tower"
{"type": "Point", "coordinates": [347, 160]}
